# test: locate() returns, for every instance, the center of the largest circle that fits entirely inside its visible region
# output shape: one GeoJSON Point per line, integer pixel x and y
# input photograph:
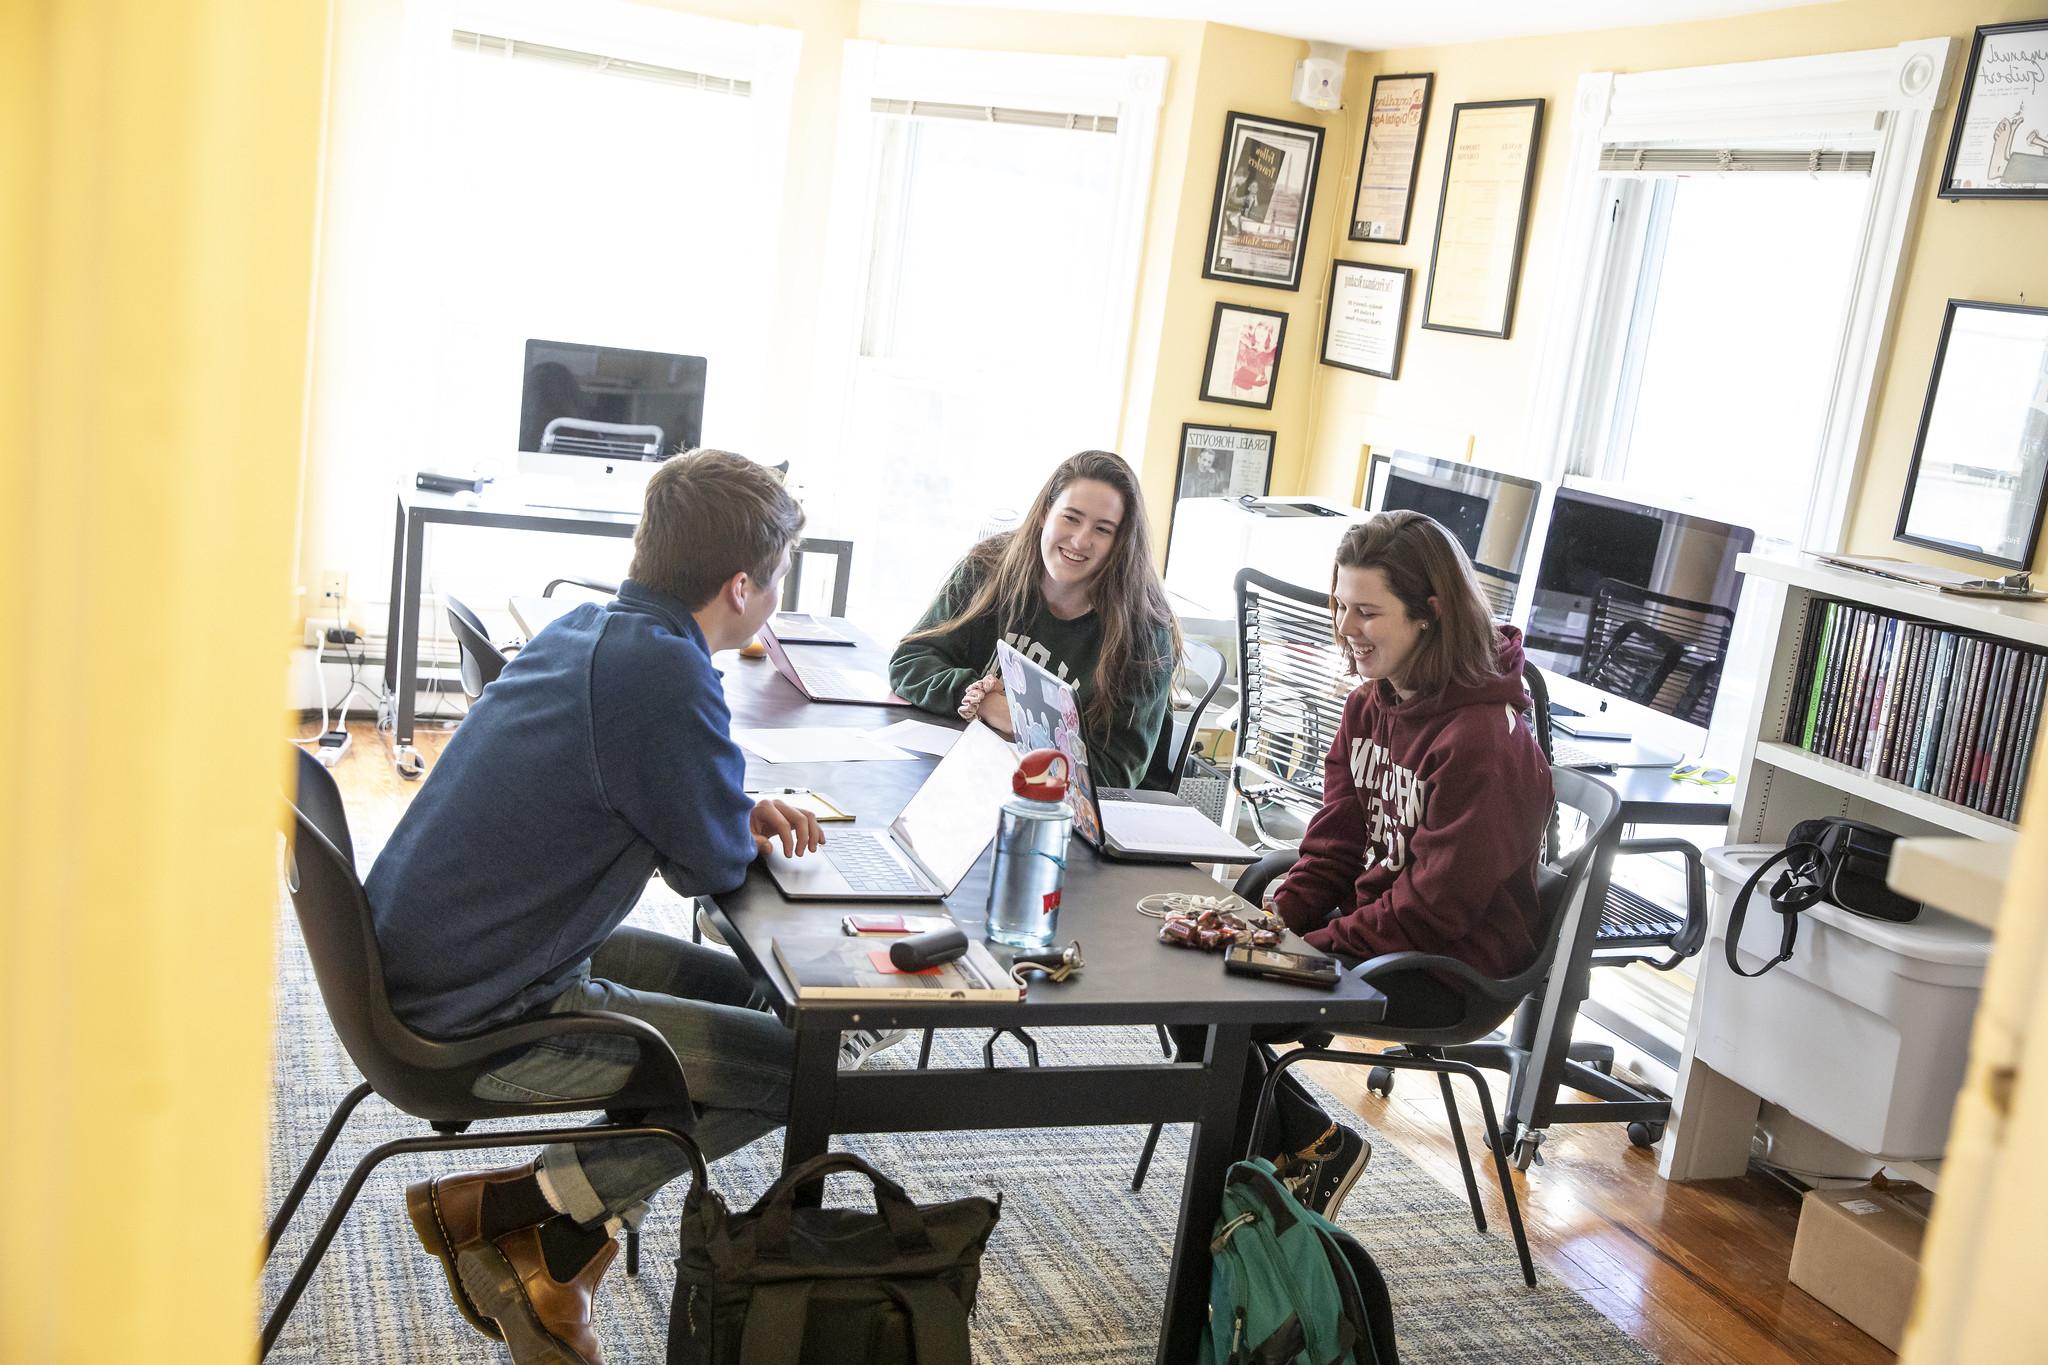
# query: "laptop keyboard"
{"type": "Point", "coordinates": [826, 679]}
{"type": "Point", "coordinates": [1565, 754]}
{"type": "Point", "coordinates": [866, 865]}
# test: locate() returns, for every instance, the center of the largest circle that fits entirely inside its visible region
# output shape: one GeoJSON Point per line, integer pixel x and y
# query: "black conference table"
{"type": "Point", "coordinates": [1131, 979]}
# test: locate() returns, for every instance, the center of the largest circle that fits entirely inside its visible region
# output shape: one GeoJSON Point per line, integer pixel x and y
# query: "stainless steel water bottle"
{"type": "Point", "coordinates": [1030, 868]}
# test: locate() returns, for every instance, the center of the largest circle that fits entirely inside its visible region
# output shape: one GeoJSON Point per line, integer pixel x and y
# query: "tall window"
{"type": "Point", "coordinates": [989, 333]}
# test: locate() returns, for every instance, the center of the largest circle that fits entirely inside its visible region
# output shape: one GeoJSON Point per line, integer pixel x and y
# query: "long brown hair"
{"type": "Point", "coordinates": [1422, 560]}
{"type": "Point", "coordinates": [1125, 593]}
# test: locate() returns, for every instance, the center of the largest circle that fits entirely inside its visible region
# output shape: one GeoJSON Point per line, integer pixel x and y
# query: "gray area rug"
{"type": "Point", "coordinates": [1075, 1273]}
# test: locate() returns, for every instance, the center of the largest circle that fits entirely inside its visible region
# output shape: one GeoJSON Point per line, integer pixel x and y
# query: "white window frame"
{"type": "Point", "coordinates": [1892, 94]}
{"type": "Point", "coordinates": [1130, 89]}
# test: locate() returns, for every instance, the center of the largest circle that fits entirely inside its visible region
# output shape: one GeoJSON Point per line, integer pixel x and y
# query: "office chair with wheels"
{"type": "Point", "coordinates": [611, 440]}
{"type": "Point", "coordinates": [1200, 676]}
{"type": "Point", "coordinates": [1463, 1047]}
{"type": "Point", "coordinates": [429, 1078]}
{"type": "Point", "coordinates": [482, 661]}
{"type": "Point", "coordinates": [1497, 586]}
{"type": "Point", "coordinates": [1292, 685]}
{"type": "Point", "coordinates": [1660, 650]}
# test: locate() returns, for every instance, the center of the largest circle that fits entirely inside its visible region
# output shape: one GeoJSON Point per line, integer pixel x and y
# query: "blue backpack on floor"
{"type": "Point", "coordinates": [1289, 1287]}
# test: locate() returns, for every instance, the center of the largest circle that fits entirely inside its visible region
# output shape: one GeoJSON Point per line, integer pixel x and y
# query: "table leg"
{"type": "Point", "coordinates": [408, 650]}
{"type": "Point", "coordinates": [811, 1093]}
{"type": "Point", "coordinates": [1219, 1137]}
{"type": "Point", "coordinates": [397, 595]}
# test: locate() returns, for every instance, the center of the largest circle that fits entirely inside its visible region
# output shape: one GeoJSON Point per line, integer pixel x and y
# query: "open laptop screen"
{"type": "Point", "coordinates": [953, 816]}
{"type": "Point", "coordinates": [1045, 715]}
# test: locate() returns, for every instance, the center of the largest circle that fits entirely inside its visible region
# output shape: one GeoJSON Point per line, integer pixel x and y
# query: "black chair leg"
{"type": "Point", "coordinates": [924, 1049]}
{"type": "Point", "coordinates": [1443, 1080]}
{"type": "Point", "coordinates": [1500, 1169]}
{"type": "Point", "coordinates": [1145, 1157]}
{"type": "Point", "coordinates": [314, 1160]}
{"type": "Point", "coordinates": [632, 1251]}
{"type": "Point", "coordinates": [1165, 1043]}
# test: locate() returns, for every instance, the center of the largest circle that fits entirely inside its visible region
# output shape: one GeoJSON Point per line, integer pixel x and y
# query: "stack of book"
{"type": "Point", "coordinates": [1941, 711]}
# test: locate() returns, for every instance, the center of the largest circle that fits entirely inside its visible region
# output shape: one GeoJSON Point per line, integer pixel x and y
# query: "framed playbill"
{"type": "Point", "coordinates": [1398, 114]}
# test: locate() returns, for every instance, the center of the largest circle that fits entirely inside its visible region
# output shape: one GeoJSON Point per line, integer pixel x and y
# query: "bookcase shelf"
{"type": "Point", "coordinates": [2023, 623]}
{"type": "Point", "coordinates": [1896, 796]}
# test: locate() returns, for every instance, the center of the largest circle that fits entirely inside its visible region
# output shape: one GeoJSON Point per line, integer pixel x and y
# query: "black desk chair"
{"type": "Point", "coordinates": [482, 661]}
{"type": "Point", "coordinates": [1660, 650]}
{"type": "Point", "coordinates": [429, 1078]}
{"type": "Point", "coordinates": [1632, 928]}
{"type": "Point", "coordinates": [1201, 676]}
{"type": "Point", "coordinates": [1292, 685]}
{"type": "Point", "coordinates": [1463, 1047]}
{"type": "Point", "coordinates": [841, 552]}
{"type": "Point", "coordinates": [1498, 587]}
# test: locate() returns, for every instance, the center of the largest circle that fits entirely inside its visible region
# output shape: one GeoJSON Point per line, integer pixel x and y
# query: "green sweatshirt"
{"type": "Point", "coordinates": [933, 673]}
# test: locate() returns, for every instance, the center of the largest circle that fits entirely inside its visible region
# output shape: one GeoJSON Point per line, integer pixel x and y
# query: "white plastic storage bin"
{"type": "Point", "coordinates": [1864, 1033]}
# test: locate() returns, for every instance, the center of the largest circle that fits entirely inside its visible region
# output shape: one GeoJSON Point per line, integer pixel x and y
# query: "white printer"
{"type": "Point", "coordinates": [1293, 539]}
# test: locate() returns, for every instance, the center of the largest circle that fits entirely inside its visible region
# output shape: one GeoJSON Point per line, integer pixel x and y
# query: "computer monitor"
{"type": "Point", "coordinates": [1492, 515]}
{"type": "Point", "coordinates": [586, 410]}
{"type": "Point", "coordinates": [1636, 602]}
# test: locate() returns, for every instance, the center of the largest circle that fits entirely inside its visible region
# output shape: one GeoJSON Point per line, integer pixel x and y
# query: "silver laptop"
{"type": "Point", "coordinates": [821, 681]}
{"type": "Point", "coordinates": [1136, 826]}
{"type": "Point", "coordinates": [928, 850]}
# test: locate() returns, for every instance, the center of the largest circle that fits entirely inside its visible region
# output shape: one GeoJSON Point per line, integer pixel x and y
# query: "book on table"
{"type": "Point", "coordinates": [859, 969]}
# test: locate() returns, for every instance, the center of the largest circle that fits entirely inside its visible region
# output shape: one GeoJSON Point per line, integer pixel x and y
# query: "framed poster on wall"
{"type": "Point", "coordinates": [1364, 318]}
{"type": "Point", "coordinates": [1243, 358]}
{"type": "Point", "coordinates": [1999, 146]}
{"type": "Point", "coordinates": [1398, 114]}
{"type": "Point", "coordinates": [1483, 217]}
{"type": "Point", "coordinates": [1220, 462]}
{"type": "Point", "coordinates": [1265, 187]}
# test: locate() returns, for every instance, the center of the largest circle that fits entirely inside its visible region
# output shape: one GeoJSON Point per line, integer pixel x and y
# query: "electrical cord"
{"type": "Point", "coordinates": [1160, 904]}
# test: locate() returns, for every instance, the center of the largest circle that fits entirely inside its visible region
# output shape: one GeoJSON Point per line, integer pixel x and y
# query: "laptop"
{"type": "Point", "coordinates": [821, 681]}
{"type": "Point", "coordinates": [1124, 823]}
{"type": "Point", "coordinates": [1581, 741]}
{"type": "Point", "coordinates": [928, 850]}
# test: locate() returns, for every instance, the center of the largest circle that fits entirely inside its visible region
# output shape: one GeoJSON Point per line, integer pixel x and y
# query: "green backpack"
{"type": "Point", "coordinates": [1289, 1287]}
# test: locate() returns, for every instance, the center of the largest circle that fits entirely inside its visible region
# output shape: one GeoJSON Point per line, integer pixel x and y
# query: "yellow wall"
{"type": "Point", "coordinates": [158, 166]}
{"type": "Point", "coordinates": [1451, 384]}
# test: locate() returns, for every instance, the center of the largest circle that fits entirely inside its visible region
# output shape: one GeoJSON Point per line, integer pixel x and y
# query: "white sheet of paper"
{"type": "Point", "coordinates": [814, 744]}
{"type": "Point", "coordinates": [920, 735]}
{"type": "Point", "coordinates": [1170, 829]}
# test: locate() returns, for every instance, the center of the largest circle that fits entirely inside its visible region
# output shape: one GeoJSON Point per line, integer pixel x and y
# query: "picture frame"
{"type": "Point", "coordinates": [1998, 146]}
{"type": "Point", "coordinates": [1365, 317]}
{"type": "Point", "coordinates": [1396, 118]}
{"type": "Point", "coordinates": [1482, 218]}
{"type": "Point", "coordinates": [1242, 362]}
{"type": "Point", "coordinates": [1265, 190]}
{"type": "Point", "coordinates": [1978, 481]}
{"type": "Point", "coordinates": [1220, 462]}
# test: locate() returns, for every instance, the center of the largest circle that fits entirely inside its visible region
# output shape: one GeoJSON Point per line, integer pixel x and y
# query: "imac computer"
{"type": "Point", "coordinates": [595, 420]}
{"type": "Point", "coordinates": [1492, 515]}
{"type": "Point", "coordinates": [1631, 619]}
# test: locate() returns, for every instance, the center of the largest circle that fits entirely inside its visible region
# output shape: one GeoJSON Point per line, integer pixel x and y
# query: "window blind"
{"type": "Point", "coordinates": [1623, 159]}
{"type": "Point", "coordinates": [988, 113]}
{"type": "Point", "coordinates": [593, 61]}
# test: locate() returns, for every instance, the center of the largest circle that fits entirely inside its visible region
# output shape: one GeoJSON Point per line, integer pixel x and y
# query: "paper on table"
{"type": "Point", "coordinates": [1168, 829]}
{"type": "Point", "coordinates": [814, 744]}
{"type": "Point", "coordinates": [920, 735]}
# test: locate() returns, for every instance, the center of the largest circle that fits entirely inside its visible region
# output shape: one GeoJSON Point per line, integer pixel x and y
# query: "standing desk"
{"type": "Point", "coordinates": [1131, 980]}
{"type": "Point", "coordinates": [1544, 1026]}
{"type": "Point", "coordinates": [417, 510]}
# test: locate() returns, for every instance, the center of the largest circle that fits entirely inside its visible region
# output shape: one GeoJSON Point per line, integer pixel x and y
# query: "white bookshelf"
{"type": "Point", "coordinates": [1779, 784]}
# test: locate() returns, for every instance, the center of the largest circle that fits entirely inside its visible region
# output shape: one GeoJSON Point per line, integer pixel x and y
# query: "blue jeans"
{"type": "Point", "coordinates": [737, 1059]}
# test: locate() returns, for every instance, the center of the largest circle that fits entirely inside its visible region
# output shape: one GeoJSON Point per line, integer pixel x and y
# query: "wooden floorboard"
{"type": "Point", "coordinates": [1697, 1273]}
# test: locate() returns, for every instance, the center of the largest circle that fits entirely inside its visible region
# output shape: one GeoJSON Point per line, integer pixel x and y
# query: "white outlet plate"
{"type": "Point", "coordinates": [333, 588]}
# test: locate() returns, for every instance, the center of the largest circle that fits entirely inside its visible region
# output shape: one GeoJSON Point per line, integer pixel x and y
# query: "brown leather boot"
{"type": "Point", "coordinates": [447, 1216]}
{"type": "Point", "coordinates": [545, 1321]}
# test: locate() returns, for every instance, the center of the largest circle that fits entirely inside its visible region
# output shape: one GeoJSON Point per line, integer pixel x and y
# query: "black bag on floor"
{"type": "Point", "coordinates": [782, 1285]}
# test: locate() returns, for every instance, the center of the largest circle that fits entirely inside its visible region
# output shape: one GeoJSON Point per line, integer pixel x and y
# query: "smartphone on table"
{"type": "Point", "coordinates": [1303, 969]}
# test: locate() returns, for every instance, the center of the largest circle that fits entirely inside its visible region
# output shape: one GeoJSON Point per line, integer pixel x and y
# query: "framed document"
{"type": "Point", "coordinates": [1399, 112]}
{"type": "Point", "coordinates": [1243, 357]}
{"type": "Point", "coordinates": [1978, 484]}
{"type": "Point", "coordinates": [1365, 316]}
{"type": "Point", "coordinates": [1489, 173]}
{"type": "Point", "coordinates": [1999, 147]}
{"type": "Point", "coordinates": [1265, 187]}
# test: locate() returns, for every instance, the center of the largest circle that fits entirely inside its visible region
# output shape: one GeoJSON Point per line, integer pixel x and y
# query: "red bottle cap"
{"type": "Point", "coordinates": [1041, 775]}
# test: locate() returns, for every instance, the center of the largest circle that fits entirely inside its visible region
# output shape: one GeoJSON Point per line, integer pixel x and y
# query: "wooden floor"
{"type": "Point", "coordinates": [1694, 1272]}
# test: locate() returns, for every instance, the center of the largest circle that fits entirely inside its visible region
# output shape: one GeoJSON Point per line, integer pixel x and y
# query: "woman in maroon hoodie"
{"type": "Point", "coordinates": [1435, 797]}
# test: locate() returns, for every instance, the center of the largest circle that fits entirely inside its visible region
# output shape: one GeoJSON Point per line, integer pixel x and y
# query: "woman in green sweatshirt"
{"type": "Point", "coordinates": [1073, 589]}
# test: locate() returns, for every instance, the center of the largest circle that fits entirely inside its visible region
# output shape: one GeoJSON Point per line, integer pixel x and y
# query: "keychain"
{"type": "Point", "coordinates": [1054, 964]}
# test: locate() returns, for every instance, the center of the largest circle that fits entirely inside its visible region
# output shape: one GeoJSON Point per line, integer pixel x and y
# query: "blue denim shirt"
{"type": "Point", "coordinates": [600, 754]}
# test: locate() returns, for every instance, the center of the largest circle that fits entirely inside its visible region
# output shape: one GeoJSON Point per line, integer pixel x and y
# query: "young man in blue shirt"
{"type": "Point", "coordinates": [600, 756]}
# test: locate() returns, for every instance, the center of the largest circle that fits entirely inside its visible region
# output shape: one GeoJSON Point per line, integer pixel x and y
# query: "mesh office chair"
{"type": "Point", "coordinates": [1497, 586]}
{"type": "Point", "coordinates": [1200, 676]}
{"type": "Point", "coordinates": [430, 1078]}
{"type": "Point", "coordinates": [1292, 684]}
{"type": "Point", "coordinates": [611, 440]}
{"type": "Point", "coordinates": [1463, 1047]}
{"type": "Point", "coordinates": [1656, 649]}
{"type": "Point", "coordinates": [482, 661]}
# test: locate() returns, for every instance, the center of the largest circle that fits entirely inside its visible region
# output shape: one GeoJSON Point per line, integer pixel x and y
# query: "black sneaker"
{"type": "Point", "coordinates": [1321, 1180]}
{"type": "Point", "coordinates": [857, 1045]}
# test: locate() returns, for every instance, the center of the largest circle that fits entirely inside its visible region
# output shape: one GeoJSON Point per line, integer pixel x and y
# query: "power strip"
{"type": "Point", "coordinates": [332, 747]}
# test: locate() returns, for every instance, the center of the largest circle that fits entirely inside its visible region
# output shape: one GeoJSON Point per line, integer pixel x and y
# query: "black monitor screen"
{"type": "Point", "coordinates": [610, 403]}
{"type": "Point", "coordinates": [1492, 515]}
{"type": "Point", "coordinates": [1462, 514]}
{"type": "Point", "coordinates": [1637, 601]}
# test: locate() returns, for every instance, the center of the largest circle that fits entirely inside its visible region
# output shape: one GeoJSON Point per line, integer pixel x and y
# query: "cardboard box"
{"type": "Point", "coordinates": [1858, 1252]}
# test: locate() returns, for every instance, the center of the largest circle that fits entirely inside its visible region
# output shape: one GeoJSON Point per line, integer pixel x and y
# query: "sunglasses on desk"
{"type": "Point", "coordinates": [1701, 775]}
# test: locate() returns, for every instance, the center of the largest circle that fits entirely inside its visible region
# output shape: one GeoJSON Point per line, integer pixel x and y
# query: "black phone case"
{"type": "Point", "coordinates": [1322, 980]}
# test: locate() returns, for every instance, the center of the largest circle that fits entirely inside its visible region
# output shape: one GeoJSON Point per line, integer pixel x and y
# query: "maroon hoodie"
{"type": "Point", "coordinates": [1430, 829]}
